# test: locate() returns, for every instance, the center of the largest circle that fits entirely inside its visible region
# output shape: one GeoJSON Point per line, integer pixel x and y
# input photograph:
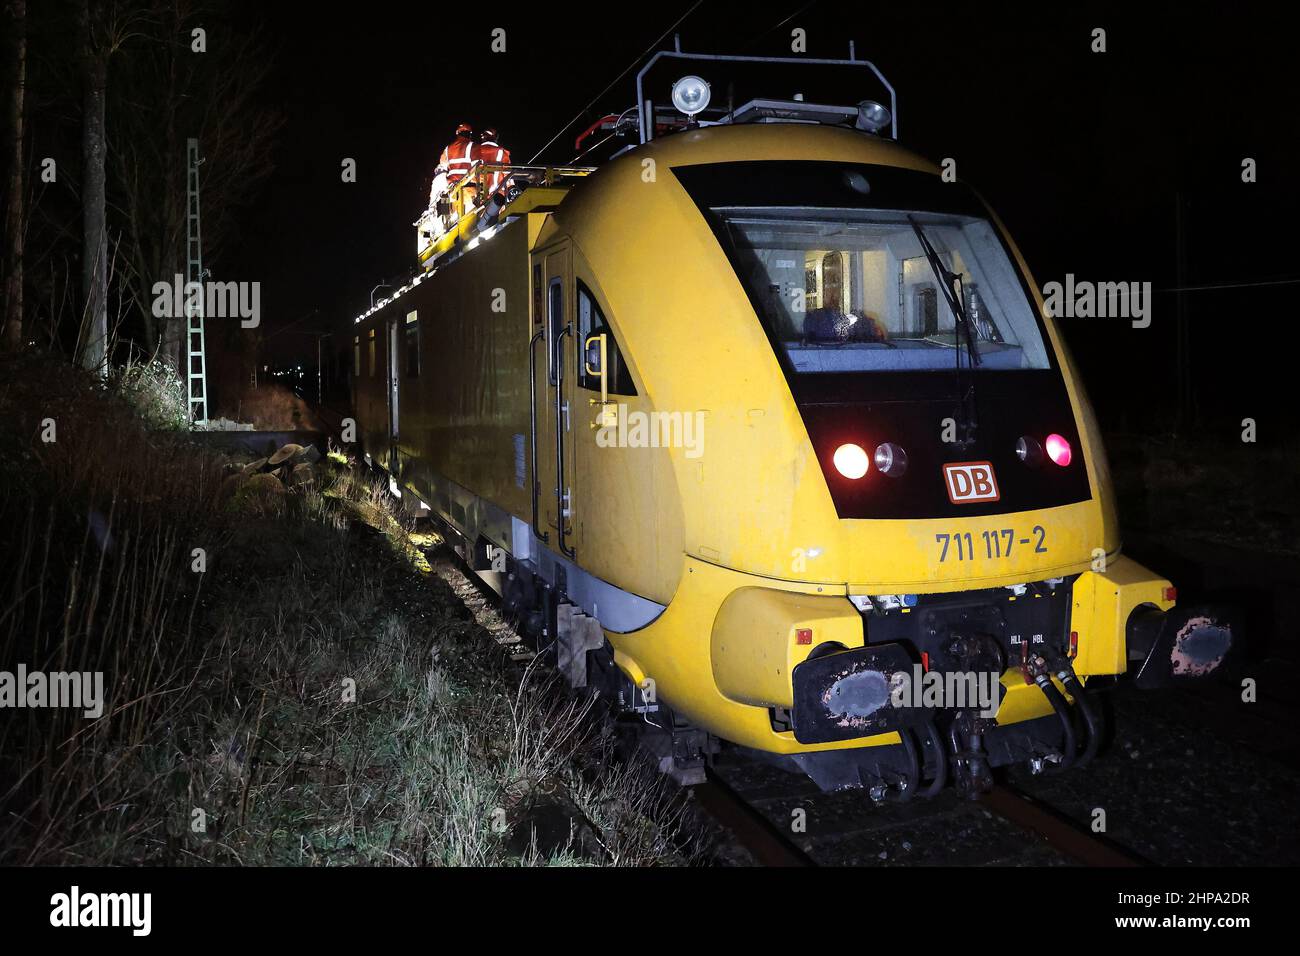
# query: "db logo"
{"type": "Point", "coordinates": [970, 481]}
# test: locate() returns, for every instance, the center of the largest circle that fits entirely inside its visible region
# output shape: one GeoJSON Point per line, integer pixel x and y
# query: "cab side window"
{"type": "Point", "coordinates": [591, 321]}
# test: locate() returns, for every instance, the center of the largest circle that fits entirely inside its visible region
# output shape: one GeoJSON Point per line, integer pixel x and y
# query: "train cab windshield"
{"type": "Point", "coordinates": [832, 259]}
{"type": "Point", "coordinates": [851, 290]}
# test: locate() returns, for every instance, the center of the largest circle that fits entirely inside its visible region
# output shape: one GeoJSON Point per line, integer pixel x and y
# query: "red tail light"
{"type": "Point", "coordinates": [1058, 449]}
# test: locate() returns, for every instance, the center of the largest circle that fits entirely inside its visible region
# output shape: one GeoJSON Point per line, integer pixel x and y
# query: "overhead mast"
{"type": "Point", "coordinates": [196, 382]}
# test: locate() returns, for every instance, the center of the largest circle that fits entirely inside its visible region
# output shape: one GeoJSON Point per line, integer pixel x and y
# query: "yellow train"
{"type": "Point", "coordinates": [763, 427]}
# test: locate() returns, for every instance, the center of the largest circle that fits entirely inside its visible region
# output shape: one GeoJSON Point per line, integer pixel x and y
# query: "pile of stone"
{"type": "Point", "coordinates": [263, 484]}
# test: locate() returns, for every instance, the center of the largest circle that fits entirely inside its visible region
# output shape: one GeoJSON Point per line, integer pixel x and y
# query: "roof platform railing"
{"type": "Point", "coordinates": [648, 110]}
{"type": "Point", "coordinates": [487, 193]}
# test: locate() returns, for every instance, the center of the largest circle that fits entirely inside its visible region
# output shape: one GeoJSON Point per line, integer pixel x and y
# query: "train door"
{"type": "Point", "coordinates": [394, 384]}
{"type": "Point", "coordinates": [555, 478]}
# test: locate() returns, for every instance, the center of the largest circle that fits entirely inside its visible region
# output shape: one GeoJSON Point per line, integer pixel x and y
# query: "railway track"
{"type": "Point", "coordinates": [755, 807]}
{"type": "Point", "coordinates": [1057, 830]}
{"type": "Point", "coordinates": [752, 830]}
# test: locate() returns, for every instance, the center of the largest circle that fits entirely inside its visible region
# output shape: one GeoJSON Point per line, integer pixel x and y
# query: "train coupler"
{"type": "Point", "coordinates": [971, 773]}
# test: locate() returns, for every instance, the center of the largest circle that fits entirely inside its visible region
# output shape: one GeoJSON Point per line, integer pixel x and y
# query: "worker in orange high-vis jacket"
{"type": "Point", "coordinates": [490, 152]}
{"type": "Point", "coordinates": [457, 159]}
{"type": "Point", "coordinates": [458, 156]}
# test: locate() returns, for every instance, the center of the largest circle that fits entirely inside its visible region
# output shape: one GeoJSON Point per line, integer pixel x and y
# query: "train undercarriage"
{"type": "Point", "coordinates": [940, 693]}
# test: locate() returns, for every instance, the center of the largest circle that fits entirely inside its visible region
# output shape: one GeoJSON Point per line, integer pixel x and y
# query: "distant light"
{"type": "Point", "coordinates": [1058, 449]}
{"type": "Point", "coordinates": [851, 461]}
{"type": "Point", "coordinates": [872, 117]}
{"type": "Point", "coordinates": [691, 95]}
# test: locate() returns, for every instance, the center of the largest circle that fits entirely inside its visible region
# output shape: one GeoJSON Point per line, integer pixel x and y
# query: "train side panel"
{"type": "Point", "coordinates": [464, 444]}
{"type": "Point", "coordinates": [463, 406]}
{"type": "Point", "coordinates": [467, 415]}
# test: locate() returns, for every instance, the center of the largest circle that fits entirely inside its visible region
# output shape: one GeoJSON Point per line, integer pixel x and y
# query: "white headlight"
{"type": "Point", "coordinates": [690, 95]}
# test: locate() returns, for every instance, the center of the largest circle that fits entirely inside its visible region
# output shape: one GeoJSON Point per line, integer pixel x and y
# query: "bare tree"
{"type": "Point", "coordinates": [15, 221]}
{"type": "Point", "coordinates": [173, 92]}
{"type": "Point", "coordinates": [130, 79]}
{"type": "Point", "coordinates": [104, 28]}
{"type": "Point", "coordinates": [93, 338]}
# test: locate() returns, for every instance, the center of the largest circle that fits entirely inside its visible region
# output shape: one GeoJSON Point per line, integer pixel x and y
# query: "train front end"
{"type": "Point", "coordinates": [902, 560]}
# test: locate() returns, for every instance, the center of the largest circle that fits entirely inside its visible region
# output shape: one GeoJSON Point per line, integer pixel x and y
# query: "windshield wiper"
{"type": "Point", "coordinates": [961, 333]}
{"type": "Point", "coordinates": [956, 300]}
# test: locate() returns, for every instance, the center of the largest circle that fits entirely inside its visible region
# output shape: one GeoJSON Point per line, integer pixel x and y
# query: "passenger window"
{"type": "Point", "coordinates": [538, 285]}
{"type": "Point", "coordinates": [372, 353]}
{"type": "Point", "coordinates": [356, 356]}
{"type": "Point", "coordinates": [554, 326]}
{"type": "Point", "coordinates": [412, 345]}
{"type": "Point", "coordinates": [591, 321]}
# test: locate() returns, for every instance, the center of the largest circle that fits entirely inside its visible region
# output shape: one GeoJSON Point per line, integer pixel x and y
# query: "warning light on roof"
{"type": "Point", "coordinates": [872, 117]}
{"type": "Point", "coordinates": [691, 95]}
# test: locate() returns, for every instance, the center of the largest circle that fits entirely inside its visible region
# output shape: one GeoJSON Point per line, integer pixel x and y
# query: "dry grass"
{"type": "Point", "coordinates": [315, 696]}
{"type": "Point", "coordinates": [271, 407]}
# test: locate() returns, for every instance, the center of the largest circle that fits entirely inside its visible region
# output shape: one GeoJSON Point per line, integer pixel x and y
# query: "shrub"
{"type": "Point", "coordinates": [155, 390]}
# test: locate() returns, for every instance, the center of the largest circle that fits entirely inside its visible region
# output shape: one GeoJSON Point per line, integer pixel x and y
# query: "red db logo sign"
{"type": "Point", "coordinates": [969, 481]}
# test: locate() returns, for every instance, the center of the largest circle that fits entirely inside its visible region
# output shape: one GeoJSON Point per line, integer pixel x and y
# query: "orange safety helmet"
{"type": "Point", "coordinates": [464, 129]}
{"type": "Point", "coordinates": [489, 135]}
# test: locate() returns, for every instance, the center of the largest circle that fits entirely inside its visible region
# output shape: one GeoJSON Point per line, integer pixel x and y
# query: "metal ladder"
{"type": "Point", "coordinates": [196, 361]}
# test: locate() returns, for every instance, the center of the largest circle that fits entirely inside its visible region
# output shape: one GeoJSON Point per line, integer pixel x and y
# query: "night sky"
{"type": "Point", "coordinates": [1082, 154]}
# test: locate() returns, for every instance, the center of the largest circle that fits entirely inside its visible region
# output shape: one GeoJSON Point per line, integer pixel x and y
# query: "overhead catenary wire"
{"type": "Point", "coordinates": [582, 112]}
{"type": "Point", "coordinates": [1231, 285]}
{"type": "Point", "coordinates": [780, 23]}
{"type": "Point", "coordinates": [628, 69]}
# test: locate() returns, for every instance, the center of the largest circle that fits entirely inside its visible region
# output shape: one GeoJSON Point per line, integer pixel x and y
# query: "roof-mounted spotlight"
{"type": "Point", "coordinates": [872, 117]}
{"type": "Point", "coordinates": [690, 95]}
